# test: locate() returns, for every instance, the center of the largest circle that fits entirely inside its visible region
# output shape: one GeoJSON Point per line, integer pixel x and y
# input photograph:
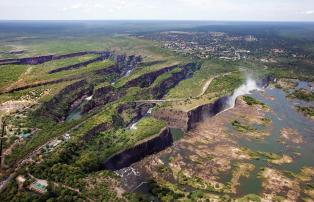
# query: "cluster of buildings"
{"type": "Point", "coordinates": [224, 46]}
{"type": "Point", "coordinates": [33, 184]}
{"type": "Point", "coordinates": [205, 44]}
{"type": "Point", "coordinates": [39, 185]}
{"type": "Point", "coordinates": [50, 146]}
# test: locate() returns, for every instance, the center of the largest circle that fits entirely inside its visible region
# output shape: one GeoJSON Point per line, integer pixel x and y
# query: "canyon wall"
{"type": "Point", "coordinates": [162, 88]}
{"type": "Point", "coordinates": [97, 129]}
{"type": "Point", "coordinates": [188, 120]}
{"type": "Point", "coordinates": [46, 58]}
{"type": "Point", "coordinates": [147, 79]}
{"type": "Point", "coordinates": [60, 105]}
{"type": "Point", "coordinates": [144, 148]}
{"type": "Point", "coordinates": [101, 96]}
{"type": "Point", "coordinates": [174, 118]}
{"type": "Point", "coordinates": [78, 65]}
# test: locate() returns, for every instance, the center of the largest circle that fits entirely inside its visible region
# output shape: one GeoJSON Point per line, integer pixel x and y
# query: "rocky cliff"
{"type": "Point", "coordinates": [97, 129]}
{"type": "Point", "coordinates": [144, 148]}
{"type": "Point", "coordinates": [162, 88]}
{"type": "Point", "coordinates": [101, 96]}
{"type": "Point", "coordinates": [79, 65]}
{"type": "Point", "coordinates": [60, 105]}
{"type": "Point", "coordinates": [174, 118]}
{"type": "Point", "coordinates": [46, 58]}
{"type": "Point", "coordinates": [106, 94]}
{"type": "Point", "coordinates": [187, 120]}
{"type": "Point", "coordinates": [133, 111]}
{"type": "Point", "coordinates": [147, 79]}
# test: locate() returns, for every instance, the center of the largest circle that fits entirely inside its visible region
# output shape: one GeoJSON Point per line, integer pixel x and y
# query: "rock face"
{"type": "Point", "coordinates": [82, 64]}
{"type": "Point", "coordinates": [41, 83]}
{"type": "Point", "coordinates": [147, 79]}
{"type": "Point", "coordinates": [160, 90]}
{"type": "Point", "coordinates": [107, 94]}
{"type": "Point", "coordinates": [101, 97]}
{"type": "Point", "coordinates": [46, 58]}
{"type": "Point", "coordinates": [173, 118]}
{"type": "Point", "coordinates": [123, 63]}
{"type": "Point", "coordinates": [187, 120]}
{"type": "Point", "coordinates": [60, 105]}
{"type": "Point", "coordinates": [97, 129]}
{"type": "Point", "coordinates": [136, 112]}
{"type": "Point", "coordinates": [147, 147]}
{"type": "Point", "coordinates": [127, 63]}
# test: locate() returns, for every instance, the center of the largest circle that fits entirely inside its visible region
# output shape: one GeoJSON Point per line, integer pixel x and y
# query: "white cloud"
{"type": "Point", "coordinates": [99, 6]}
{"type": "Point", "coordinates": [265, 10]}
{"type": "Point", "coordinates": [308, 12]}
{"type": "Point", "coordinates": [76, 6]}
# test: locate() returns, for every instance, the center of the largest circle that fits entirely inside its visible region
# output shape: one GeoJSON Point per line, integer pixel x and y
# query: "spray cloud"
{"type": "Point", "coordinates": [249, 85]}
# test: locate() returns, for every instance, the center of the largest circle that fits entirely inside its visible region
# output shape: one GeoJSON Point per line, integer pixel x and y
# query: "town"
{"type": "Point", "coordinates": [220, 45]}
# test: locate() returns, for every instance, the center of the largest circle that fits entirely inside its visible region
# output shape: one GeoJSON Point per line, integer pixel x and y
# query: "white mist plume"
{"type": "Point", "coordinates": [249, 85]}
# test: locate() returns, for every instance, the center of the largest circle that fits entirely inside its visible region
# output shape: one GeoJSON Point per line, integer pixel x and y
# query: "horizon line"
{"type": "Point", "coordinates": [160, 20]}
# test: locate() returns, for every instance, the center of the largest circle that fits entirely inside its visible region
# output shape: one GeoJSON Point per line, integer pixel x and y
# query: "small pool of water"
{"type": "Point", "coordinates": [76, 113]}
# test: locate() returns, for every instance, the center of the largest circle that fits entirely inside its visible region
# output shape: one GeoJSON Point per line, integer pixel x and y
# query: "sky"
{"type": "Point", "coordinates": [216, 10]}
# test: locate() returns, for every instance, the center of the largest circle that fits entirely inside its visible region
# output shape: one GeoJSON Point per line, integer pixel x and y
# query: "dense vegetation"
{"type": "Point", "coordinates": [302, 94]}
{"type": "Point", "coordinates": [307, 111]}
{"type": "Point", "coordinates": [252, 101]}
{"type": "Point", "coordinates": [105, 129]}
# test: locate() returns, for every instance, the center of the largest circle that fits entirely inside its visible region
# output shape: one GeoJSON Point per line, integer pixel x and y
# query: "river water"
{"type": "Point", "coordinates": [283, 115]}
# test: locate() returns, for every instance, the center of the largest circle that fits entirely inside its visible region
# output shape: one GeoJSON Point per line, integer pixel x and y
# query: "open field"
{"type": "Point", "coordinates": [145, 118]}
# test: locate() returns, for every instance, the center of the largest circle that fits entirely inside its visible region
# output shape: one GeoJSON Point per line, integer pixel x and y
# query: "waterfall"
{"type": "Point", "coordinates": [249, 86]}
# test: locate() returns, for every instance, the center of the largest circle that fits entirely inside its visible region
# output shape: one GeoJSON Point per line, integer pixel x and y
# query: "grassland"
{"type": "Point", "coordinates": [165, 76]}
{"type": "Point", "coordinates": [143, 70]}
{"type": "Point", "coordinates": [76, 163]}
{"type": "Point", "coordinates": [10, 74]}
{"type": "Point", "coordinates": [192, 87]}
{"type": "Point", "coordinates": [224, 76]}
{"type": "Point", "coordinates": [36, 73]}
{"type": "Point", "coordinates": [126, 138]}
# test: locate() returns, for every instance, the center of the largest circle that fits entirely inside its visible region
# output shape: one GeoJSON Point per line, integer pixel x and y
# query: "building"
{"type": "Point", "coordinates": [39, 186]}
{"type": "Point", "coordinates": [25, 135]}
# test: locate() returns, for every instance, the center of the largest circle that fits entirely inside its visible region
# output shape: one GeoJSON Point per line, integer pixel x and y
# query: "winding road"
{"type": "Point", "coordinates": [204, 89]}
